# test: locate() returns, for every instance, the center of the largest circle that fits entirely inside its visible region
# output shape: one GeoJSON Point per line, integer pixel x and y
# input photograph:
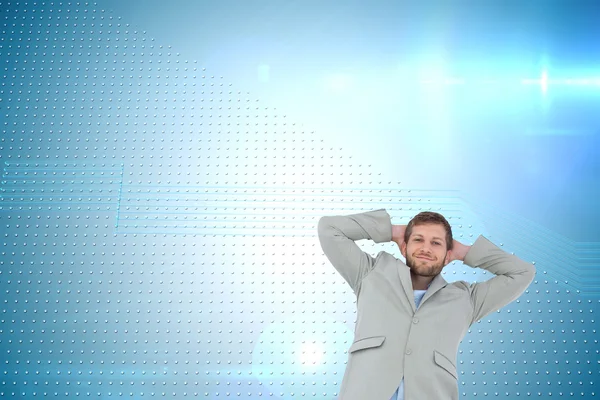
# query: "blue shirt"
{"type": "Point", "coordinates": [399, 394]}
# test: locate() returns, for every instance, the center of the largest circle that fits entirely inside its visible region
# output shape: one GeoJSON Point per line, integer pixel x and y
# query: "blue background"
{"type": "Point", "coordinates": [165, 165]}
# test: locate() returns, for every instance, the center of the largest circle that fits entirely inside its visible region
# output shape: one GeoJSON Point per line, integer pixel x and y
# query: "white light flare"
{"type": "Point", "coordinates": [544, 82]}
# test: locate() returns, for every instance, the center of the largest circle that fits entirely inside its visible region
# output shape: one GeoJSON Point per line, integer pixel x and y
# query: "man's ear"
{"type": "Point", "coordinates": [403, 249]}
{"type": "Point", "coordinates": [448, 257]}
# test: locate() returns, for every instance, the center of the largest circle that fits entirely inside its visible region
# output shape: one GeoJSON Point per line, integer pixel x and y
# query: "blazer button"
{"type": "Point", "coordinates": [415, 320]}
{"type": "Point", "coordinates": [408, 351]}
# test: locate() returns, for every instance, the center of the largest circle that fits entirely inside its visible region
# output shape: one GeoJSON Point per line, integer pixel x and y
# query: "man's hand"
{"type": "Point", "coordinates": [459, 251]}
{"type": "Point", "coordinates": [398, 234]}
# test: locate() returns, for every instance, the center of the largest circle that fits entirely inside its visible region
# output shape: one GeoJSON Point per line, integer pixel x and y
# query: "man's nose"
{"type": "Point", "coordinates": [425, 248]}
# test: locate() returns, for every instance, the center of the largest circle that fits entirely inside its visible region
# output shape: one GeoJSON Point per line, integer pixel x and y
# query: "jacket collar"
{"type": "Point", "coordinates": [436, 284]}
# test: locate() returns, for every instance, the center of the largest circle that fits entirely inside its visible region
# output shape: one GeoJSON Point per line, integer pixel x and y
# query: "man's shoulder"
{"type": "Point", "coordinates": [459, 285]}
{"type": "Point", "coordinates": [386, 258]}
{"type": "Point", "coordinates": [384, 262]}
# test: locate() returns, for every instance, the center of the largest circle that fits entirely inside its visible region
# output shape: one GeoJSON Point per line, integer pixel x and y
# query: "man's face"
{"type": "Point", "coordinates": [425, 251]}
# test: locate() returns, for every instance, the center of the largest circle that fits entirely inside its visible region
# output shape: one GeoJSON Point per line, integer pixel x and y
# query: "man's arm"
{"type": "Point", "coordinates": [513, 276]}
{"type": "Point", "coordinates": [338, 234]}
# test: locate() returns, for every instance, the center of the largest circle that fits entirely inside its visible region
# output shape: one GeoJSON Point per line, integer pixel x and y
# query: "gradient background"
{"type": "Point", "coordinates": [165, 164]}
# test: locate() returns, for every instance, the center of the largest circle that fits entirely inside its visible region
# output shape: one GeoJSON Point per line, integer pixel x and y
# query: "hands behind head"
{"type": "Point", "coordinates": [398, 234]}
{"type": "Point", "coordinates": [458, 252]}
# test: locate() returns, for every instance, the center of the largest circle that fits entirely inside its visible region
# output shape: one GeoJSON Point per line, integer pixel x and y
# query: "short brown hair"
{"type": "Point", "coordinates": [430, 217]}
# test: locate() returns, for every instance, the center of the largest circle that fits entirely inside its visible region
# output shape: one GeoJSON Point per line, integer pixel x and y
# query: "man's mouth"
{"type": "Point", "coordinates": [425, 258]}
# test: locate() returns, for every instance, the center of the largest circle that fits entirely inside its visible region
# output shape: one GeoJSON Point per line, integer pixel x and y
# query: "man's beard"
{"type": "Point", "coordinates": [420, 270]}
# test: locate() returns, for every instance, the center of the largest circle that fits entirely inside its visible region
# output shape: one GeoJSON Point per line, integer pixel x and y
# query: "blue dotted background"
{"type": "Point", "coordinates": [159, 235]}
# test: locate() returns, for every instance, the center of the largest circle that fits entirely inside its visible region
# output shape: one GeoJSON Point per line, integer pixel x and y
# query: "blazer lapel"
{"type": "Point", "coordinates": [436, 284]}
{"type": "Point", "coordinates": [404, 274]}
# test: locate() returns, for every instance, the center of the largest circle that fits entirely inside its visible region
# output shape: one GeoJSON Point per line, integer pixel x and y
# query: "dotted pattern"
{"type": "Point", "coordinates": [158, 235]}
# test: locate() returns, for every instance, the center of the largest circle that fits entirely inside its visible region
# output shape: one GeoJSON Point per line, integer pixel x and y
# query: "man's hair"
{"type": "Point", "coordinates": [429, 217]}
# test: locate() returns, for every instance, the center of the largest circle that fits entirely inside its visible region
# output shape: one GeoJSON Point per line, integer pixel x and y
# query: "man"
{"type": "Point", "coordinates": [410, 321]}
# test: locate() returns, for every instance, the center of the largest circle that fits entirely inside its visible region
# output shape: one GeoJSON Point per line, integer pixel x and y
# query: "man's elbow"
{"type": "Point", "coordinates": [324, 226]}
{"type": "Point", "coordinates": [530, 272]}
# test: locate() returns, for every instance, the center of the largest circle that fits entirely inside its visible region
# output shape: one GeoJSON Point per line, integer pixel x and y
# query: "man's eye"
{"type": "Point", "coordinates": [437, 243]}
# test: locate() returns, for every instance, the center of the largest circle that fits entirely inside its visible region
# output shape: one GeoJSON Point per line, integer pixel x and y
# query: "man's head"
{"type": "Point", "coordinates": [427, 243]}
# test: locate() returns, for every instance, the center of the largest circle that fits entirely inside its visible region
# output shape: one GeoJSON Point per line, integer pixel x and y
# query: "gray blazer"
{"type": "Point", "coordinates": [394, 340]}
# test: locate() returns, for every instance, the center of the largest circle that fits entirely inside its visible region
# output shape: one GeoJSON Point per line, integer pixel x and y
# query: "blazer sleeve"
{"type": "Point", "coordinates": [337, 235]}
{"type": "Point", "coordinates": [513, 276]}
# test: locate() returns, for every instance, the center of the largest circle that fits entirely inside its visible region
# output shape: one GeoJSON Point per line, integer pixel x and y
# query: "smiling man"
{"type": "Point", "coordinates": [410, 321]}
{"type": "Point", "coordinates": [426, 244]}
